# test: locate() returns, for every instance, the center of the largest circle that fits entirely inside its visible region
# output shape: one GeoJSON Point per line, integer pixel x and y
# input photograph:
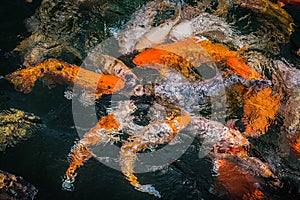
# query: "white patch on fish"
{"type": "Point", "coordinates": [137, 26]}
{"type": "Point", "coordinates": [106, 64]}
{"type": "Point", "coordinates": [206, 24]}
{"type": "Point", "coordinates": [182, 31]}
{"type": "Point", "coordinates": [159, 34]}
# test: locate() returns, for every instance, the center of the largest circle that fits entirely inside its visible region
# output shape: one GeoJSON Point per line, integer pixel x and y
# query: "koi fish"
{"type": "Point", "coordinates": [136, 27]}
{"type": "Point", "coordinates": [207, 25]}
{"type": "Point", "coordinates": [159, 34]}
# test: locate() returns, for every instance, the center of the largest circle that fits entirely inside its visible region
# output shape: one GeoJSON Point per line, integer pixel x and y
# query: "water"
{"type": "Point", "coordinates": [42, 160]}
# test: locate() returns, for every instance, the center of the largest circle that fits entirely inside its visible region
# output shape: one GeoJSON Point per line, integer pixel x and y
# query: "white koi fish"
{"type": "Point", "coordinates": [159, 34]}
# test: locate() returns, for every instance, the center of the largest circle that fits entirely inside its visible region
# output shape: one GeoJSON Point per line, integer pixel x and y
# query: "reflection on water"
{"type": "Point", "coordinates": [42, 160]}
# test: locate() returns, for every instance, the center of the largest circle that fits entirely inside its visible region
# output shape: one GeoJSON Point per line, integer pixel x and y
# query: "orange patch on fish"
{"type": "Point", "coordinates": [186, 55]}
{"type": "Point", "coordinates": [59, 72]}
{"type": "Point", "coordinates": [237, 183]}
{"type": "Point", "coordinates": [241, 69]}
{"type": "Point", "coordinates": [260, 109]}
{"type": "Point", "coordinates": [295, 144]}
{"type": "Point", "coordinates": [109, 122]}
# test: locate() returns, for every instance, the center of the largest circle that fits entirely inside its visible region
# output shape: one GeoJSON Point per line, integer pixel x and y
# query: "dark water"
{"type": "Point", "coordinates": [42, 160]}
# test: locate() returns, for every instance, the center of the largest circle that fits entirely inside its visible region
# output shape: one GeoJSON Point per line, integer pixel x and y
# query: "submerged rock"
{"type": "Point", "coordinates": [15, 187]}
{"type": "Point", "coordinates": [16, 125]}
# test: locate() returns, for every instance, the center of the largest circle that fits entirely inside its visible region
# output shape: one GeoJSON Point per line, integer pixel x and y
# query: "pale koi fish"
{"type": "Point", "coordinates": [159, 34]}
{"type": "Point", "coordinates": [136, 27]}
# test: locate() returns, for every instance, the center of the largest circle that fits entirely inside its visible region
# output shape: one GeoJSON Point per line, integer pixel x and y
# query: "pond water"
{"type": "Point", "coordinates": [42, 160]}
